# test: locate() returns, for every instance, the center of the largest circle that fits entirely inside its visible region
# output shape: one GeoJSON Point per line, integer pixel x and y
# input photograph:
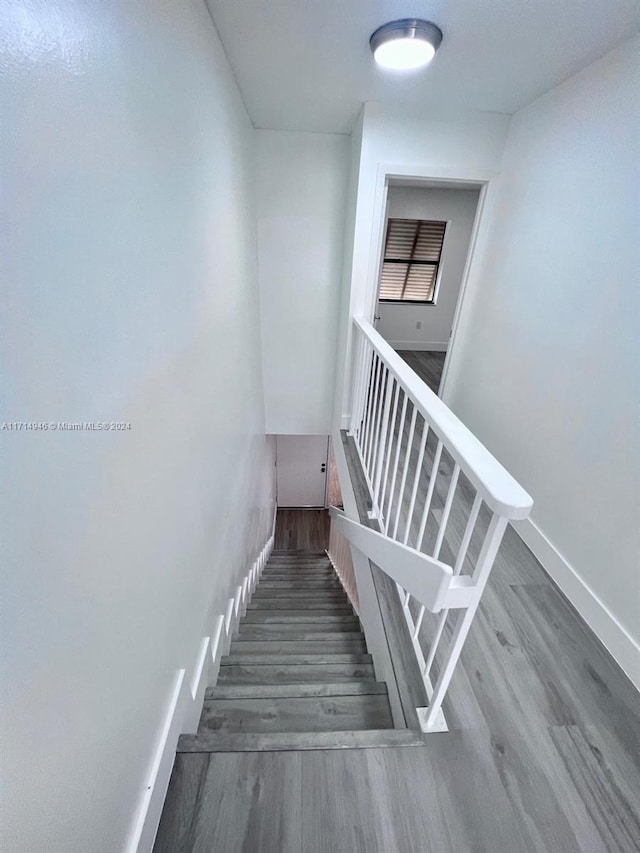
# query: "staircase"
{"type": "Point", "coordinates": [297, 675]}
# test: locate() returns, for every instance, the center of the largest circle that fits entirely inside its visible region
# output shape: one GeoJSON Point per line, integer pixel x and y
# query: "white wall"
{"type": "Point", "coordinates": [302, 185]}
{"type": "Point", "coordinates": [547, 372]}
{"type": "Point", "coordinates": [438, 144]}
{"type": "Point", "coordinates": [457, 208]}
{"type": "Point", "coordinates": [131, 294]}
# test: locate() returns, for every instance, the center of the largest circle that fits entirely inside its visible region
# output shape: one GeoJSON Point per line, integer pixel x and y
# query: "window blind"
{"type": "Point", "coordinates": [411, 258]}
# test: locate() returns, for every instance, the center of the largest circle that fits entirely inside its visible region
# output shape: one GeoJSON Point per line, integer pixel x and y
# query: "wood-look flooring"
{"type": "Point", "coordinates": [558, 719]}
{"type": "Point", "coordinates": [542, 755]}
{"type": "Point", "coordinates": [277, 678]}
{"type": "Point", "coordinates": [428, 366]}
{"type": "Point", "coordinates": [302, 530]}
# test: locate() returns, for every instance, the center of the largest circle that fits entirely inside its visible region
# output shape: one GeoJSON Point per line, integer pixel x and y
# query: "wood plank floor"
{"type": "Point", "coordinates": [542, 755]}
{"type": "Point", "coordinates": [302, 530]}
{"type": "Point", "coordinates": [456, 795]}
{"type": "Point", "coordinates": [428, 366]}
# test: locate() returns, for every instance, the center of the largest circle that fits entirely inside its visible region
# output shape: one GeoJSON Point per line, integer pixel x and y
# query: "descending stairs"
{"type": "Point", "coordinates": [298, 675]}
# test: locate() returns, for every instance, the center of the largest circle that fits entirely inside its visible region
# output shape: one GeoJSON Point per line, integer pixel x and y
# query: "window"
{"type": "Point", "coordinates": [411, 259]}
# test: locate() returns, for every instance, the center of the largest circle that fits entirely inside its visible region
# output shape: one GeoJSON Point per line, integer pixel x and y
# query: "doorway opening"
{"type": "Point", "coordinates": [301, 471]}
{"type": "Point", "coordinates": [395, 179]}
{"type": "Point", "coordinates": [427, 232]}
{"type": "Point", "coordinates": [306, 472]}
{"type": "Point", "coordinates": [306, 485]}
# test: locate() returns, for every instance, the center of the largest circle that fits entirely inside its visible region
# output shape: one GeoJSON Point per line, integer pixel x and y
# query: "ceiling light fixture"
{"type": "Point", "coordinates": [406, 44]}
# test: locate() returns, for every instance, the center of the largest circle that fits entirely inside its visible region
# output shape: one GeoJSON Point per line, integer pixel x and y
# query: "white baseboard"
{"type": "Point", "coordinates": [420, 346]}
{"type": "Point", "coordinates": [198, 686]}
{"type": "Point", "coordinates": [147, 818]}
{"type": "Point", "coordinates": [184, 706]}
{"type": "Point", "coordinates": [598, 617]}
{"type": "Point", "coordinates": [215, 651]}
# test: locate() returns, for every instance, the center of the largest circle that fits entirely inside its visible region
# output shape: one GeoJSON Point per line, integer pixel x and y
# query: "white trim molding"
{"type": "Point", "coordinates": [197, 688]}
{"type": "Point", "coordinates": [596, 614]}
{"type": "Point", "coordinates": [147, 818]}
{"type": "Point", "coordinates": [184, 705]}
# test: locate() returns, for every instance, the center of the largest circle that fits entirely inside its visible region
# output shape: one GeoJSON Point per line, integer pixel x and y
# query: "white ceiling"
{"type": "Point", "coordinates": [306, 64]}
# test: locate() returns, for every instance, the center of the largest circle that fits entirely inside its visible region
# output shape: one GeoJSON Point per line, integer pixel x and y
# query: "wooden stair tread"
{"type": "Point", "coordinates": [299, 572]}
{"type": "Point", "coordinates": [321, 673]}
{"type": "Point", "coordinates": [288, 616]}
{"type": "Point", "coordinates": [299, 561]}
{"type": "Point", "coordinates": [346, 624]}
{"type": "Point", "coordinates": [289, 741]}
{"type": "Point", "coordinates": [303, 604]}
{"type": "Point", "coordinates": [320, 646]}
{"type": "Point", "coordinates": [300, 583]}
{"type": "Point", "coordinates": [308, 636]}
{"type": "Point", "coordinates": [292, 551]}
{"type": "Point", "coordinates": [296, 714]}
{"type": "Point", "coordinates": [311, 594]}
{"type": "Point", "coordinates": [262, 659]}
{"type": "Point", "coordinates": [357, 687]}
{"type": "Point", "coordinates": [282, 581]}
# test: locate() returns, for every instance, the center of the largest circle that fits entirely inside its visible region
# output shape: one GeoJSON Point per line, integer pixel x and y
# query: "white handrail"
{"type": "Point", "coordinates": [420, 502]}
{"type": "Point", "coordinates": [498, 488]}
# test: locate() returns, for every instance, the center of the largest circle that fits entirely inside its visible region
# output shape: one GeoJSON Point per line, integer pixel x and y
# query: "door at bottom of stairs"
{"type": "Point", "coordinates": [301, 462]}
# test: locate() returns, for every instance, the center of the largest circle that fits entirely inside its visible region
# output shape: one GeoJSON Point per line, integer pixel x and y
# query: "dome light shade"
{"type": "Point", "coordinates": [406, 44]}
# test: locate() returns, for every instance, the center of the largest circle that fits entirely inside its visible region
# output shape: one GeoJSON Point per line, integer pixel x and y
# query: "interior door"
{"type": "Point", "coordinates": [301, 462]}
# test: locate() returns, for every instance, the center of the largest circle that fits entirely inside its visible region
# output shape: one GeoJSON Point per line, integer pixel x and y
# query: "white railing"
{"type": "Point", "coordinates": [437, 492]}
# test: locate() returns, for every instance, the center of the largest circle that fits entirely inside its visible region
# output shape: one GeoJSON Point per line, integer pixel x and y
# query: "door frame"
{"type": "Point", "coordinates": [388, 172]}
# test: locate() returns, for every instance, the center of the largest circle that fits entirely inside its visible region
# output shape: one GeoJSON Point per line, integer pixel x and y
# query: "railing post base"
{"type": "Point", "coordinates": [438, 725]}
